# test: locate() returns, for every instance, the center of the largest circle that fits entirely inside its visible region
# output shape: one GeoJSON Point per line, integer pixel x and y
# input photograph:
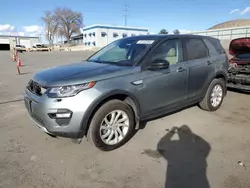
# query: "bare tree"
{"type": "Point", "coordinates": [51, 26]}
{"type": "Point", "coordinates": [69, 22]}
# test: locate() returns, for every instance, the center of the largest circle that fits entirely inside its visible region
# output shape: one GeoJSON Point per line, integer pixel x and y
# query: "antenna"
{"type": "Point", "coordinates": [125, 14]}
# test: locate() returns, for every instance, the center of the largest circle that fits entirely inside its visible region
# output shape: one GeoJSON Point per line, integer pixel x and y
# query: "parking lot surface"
{"type": "Point", "coordinates": [30, 158]}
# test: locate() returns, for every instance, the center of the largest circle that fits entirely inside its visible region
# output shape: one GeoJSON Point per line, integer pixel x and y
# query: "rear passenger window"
{"type": "Point", "coordinates": [196, 49]}
{"type": "Point", "coordinates": [217, 45]}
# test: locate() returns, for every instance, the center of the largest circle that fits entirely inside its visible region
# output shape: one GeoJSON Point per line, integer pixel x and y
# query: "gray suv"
{"type": "Point", "coordinates": [130, 80]}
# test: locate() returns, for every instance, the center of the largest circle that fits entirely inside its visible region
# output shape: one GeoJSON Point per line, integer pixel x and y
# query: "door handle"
{"type": "Point", "coordinates": [209, 62]}
{"type": "Point", "coordinates": [137, 82]}
{"type": "Point", "coordinates": [180, 69]}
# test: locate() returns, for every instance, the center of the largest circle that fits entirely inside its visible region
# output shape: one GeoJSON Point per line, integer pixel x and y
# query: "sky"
{"type": "Point", "coordinates": [24, 17]}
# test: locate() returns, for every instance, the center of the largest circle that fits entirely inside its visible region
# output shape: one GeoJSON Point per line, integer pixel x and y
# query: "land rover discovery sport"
{"type": "Point", "coordinates": [130, 80]}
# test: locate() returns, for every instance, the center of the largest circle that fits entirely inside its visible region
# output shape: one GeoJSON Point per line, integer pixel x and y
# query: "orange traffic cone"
{"type": "Point", "coordinates": [19, 63]}
{"type": "Point", "coordinates": [14, 57]}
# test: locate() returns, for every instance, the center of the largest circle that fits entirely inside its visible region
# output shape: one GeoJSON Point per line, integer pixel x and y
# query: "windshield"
{"type": "Point", "coordinates": [122, 52]}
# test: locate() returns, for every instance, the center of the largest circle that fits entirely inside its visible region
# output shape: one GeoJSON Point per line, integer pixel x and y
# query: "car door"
{"type": "Point", "coordinates": [161, 88]}
{"type": "Point", "coordinates": [199, 67]}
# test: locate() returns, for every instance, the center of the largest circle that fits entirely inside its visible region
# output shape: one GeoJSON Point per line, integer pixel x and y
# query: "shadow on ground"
{"type": "Point", "coordinates": [24, 73]}
{"type": "Point", "coordinates": [186, 155]}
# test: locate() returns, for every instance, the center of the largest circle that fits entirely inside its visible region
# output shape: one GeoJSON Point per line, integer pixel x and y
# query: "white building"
{"type": "Point", "coordinates": [7, 42]}
{"type": "Point", "coordinates": [101, 35]}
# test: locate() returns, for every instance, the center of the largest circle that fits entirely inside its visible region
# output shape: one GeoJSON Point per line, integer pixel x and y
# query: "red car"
{"type": "Point", "coordinates": [239, 71]}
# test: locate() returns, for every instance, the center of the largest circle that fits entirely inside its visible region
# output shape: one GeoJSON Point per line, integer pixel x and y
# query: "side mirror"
{"type": "Point", "coordinates": [159, 64]}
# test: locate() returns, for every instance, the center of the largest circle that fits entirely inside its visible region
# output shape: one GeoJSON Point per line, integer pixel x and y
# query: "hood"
{"type": "Point", "coordinates": [79, 73]}
{"type": "Point", "coordinates": [240, 46]}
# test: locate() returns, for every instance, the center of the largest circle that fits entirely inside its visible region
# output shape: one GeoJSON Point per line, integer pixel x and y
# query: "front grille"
{"type": "Point", "coordinates": [35, 88]}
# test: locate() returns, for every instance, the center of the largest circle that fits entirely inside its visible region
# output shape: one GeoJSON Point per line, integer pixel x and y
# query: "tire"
{"type": "Point", "coordinates": [206, 104]}
{"type": "Point", "coordinates": [94, 132]}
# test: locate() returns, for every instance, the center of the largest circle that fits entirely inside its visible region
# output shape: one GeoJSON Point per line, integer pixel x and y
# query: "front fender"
{"type": "Point", "coordinates": [102, 98]}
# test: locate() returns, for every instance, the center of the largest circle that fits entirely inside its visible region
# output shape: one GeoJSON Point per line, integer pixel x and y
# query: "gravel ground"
{"type": "Point", "coordinates": [208, 147]}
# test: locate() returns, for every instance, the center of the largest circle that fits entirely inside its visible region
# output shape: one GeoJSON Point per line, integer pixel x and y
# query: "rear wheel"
{"type": "Point", "coordinates": [112, 125]}
{"type": "Point", "coordinates": [214, 95]}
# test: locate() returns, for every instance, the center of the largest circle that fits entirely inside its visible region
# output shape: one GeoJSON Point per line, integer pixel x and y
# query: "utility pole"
{"type": "Point", "coordinates": [125, 14]}
{"type": "Point", "coordinates": [40, 37]}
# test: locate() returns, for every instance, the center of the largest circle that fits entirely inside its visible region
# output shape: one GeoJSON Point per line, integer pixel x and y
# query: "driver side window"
{"type": "Point", "coordinates": [170, 50]}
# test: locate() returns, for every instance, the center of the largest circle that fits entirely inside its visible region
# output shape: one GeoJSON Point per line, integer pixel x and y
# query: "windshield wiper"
{"type": "Point", "coordinates": [104, 62]}
{"type": "Point", "coordinates": [117, 63]}
{"type": "Point", "coordinates": [96, 61]}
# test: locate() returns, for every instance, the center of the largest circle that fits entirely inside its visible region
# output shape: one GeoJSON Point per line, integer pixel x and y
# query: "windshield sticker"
{"type": "Point", "coordinates": [145, 42]}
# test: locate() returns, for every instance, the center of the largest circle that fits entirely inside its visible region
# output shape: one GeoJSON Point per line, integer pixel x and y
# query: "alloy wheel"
{"type": "Point", "coordinates": [114, 127]}
{"type": "Point", "coordinates": [216, 95]}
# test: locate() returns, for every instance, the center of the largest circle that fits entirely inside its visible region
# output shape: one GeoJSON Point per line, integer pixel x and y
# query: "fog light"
{"type": "Point", "coordinates": [61, 113]}
{"type": "Point", "coordinates": [65, 115]}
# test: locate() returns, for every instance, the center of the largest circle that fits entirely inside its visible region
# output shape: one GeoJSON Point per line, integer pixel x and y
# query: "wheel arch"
{"type": "Point", "coordinates": [218, 75]}
{"type": "Point", "coordinates": [122, 95]}
{"type": "Point", "coordinates": [222, 75]}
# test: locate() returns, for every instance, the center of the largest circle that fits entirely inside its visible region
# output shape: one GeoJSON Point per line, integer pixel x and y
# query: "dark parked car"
{"type": "Point", "coordinates": [239, 71]}
{"type": "Point", "coordinates": [130, 80]}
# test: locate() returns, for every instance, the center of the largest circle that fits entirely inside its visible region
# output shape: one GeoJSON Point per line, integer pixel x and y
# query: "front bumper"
{"type": "Point", "coordinates": [239, 82]}
{"type": "Point", "coordinates": [239, 87]}
{"type": "Point", "coordinates": [41, 108]}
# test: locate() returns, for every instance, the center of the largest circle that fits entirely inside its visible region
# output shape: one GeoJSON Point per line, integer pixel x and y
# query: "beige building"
{"type": "Point", "coordinates": [7, 42]}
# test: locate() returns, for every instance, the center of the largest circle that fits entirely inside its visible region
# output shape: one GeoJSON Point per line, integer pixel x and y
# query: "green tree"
{"type": "Point", "coordinates": [176, 32]}
{"type": "Point", "coordinates": [163, 31]}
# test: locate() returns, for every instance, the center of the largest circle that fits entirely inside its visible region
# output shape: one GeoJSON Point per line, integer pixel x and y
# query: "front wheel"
{"type": "Point", "coordinates": [214, 95]}
{"type": "Point", "coordinates": [112, 125]}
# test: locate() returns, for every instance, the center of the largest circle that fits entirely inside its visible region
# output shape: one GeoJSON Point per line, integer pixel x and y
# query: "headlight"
{"type": "Point", "coordinates": [69, 91]}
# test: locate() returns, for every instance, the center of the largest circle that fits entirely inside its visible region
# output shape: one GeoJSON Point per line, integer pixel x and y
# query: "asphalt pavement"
{"type": "Point", "coordinates": [213, 148]}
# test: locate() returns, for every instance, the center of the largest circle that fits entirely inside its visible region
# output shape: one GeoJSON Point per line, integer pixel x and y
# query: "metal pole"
{"type": "Point", "coordinates": [126, 14]}
{"type": "Point", "coordinates": [40, 37]}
